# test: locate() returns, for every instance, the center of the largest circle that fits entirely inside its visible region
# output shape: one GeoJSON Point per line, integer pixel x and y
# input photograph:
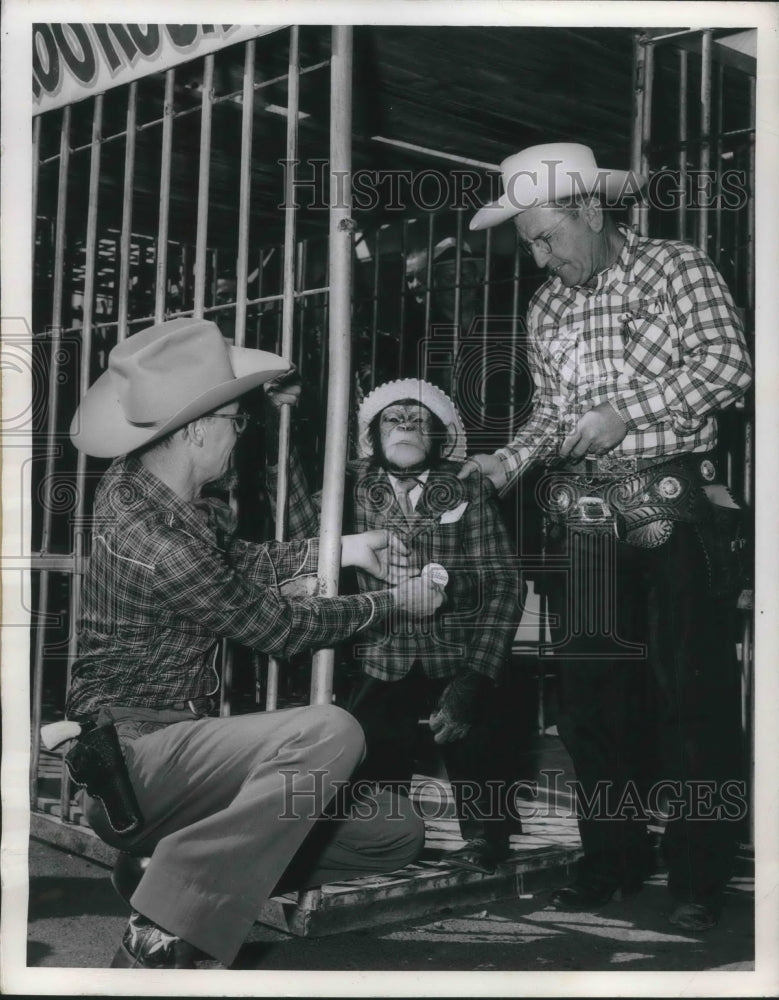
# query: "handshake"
{"type": "Point", "coordinates": [386, 557]}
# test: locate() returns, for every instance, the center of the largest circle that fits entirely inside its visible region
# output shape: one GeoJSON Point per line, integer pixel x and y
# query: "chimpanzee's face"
{"type": "Point", "coordinates": [406, 434]}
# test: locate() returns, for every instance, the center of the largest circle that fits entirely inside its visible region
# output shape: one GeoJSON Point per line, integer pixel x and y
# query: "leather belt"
{"type": "Point", "coordinates": [616, 465]}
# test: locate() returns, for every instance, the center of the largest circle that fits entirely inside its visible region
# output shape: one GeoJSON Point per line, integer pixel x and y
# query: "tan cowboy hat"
{"type": "Point", "coordinates": [161, 378]}
{"type": "Point", "coordinates": [422, 392]}
{"type": "Point", "coordinates": [554, 171]}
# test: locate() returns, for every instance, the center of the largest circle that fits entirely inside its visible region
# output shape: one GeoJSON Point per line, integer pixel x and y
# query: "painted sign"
{"type": "Point", "coordinates": [74, 61]}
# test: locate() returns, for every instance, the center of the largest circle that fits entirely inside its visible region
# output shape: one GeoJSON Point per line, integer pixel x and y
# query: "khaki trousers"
{"type": "Point", "coordinates": [228, 807]}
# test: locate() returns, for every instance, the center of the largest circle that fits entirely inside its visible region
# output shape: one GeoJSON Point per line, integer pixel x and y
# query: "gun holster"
{"type": "Point", "coordinates": [96, 763]}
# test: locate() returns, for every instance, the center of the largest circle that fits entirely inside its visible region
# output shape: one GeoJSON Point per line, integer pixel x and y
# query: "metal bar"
{"type": "Point", "coordinates": [127, 213]}
{"type": "Point", "coordinates": [646, 133]}
{"type": "Point", "coordinates": [84, 373]}
{"type": "Point", "coordinates": [637, 130]}
{"type": "Point", "coordinates": [514, 339]}
{"type": "Point", "coordinates": [340, 341]}
{"type": "Point", "coordinates": [404, 294]}
{"type": "Point", "coordinates": [428, 286]}
{"type": "Point", "coordinates": [437, 153]}
{"type": "Point", "coordinates": [683, 98]}
{"type": "Point", "coordinates": [717, 254]}
{"type": "Point", "coordinates": [485, 327]}
{"type": "Point", "coordinates": [287, 317]}
{"type": "Point", "coordinates": [204, 176]}
{"type": "Point", "coordinates": [51, 448]}
{"type": "Point", "coordinates": [649, 41]}
{"type": "Point", "coordinates": [375, 309]}
{"type": "Point", "coordinates": [36, 169]}
{"type": "Point", "coordinates": [244, 198]}
{"type": "Point", "coordinates": [458, 292]}
{"type": "Point", "coordinates": [188, 112]}
{"type": "Point", "coordinates": [705, 157]}
{"type": "Point", "coordinates": [166, 159]}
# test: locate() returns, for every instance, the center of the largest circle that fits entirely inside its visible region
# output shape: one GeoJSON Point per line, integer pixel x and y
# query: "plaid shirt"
{"type": "Point", "coordinates": [457, 524]}
{"type": "Point", "coordinates": [657, 336]}
{"type": "Point", "coordinates": [167, 580]}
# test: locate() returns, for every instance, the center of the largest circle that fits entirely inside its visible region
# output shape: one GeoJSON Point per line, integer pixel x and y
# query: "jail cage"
{"type": "Point", "coordinates": [224, 188]}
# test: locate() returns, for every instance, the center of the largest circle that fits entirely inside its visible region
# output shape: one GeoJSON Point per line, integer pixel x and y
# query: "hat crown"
{"type": "Point", "coordinates": [160, 370]}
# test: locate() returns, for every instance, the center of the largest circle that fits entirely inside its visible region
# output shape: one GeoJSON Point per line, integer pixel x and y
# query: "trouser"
{"type": "Point", "coordinates": [481, 770]}
{"type": "Point", "coordinates": [228, 805]}
{"type": "Point", "coordinates": [651, 713]}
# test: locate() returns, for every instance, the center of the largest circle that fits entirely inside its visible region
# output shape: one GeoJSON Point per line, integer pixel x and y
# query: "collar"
{"type": "Point", "coordinates": [146, 489]}
{"type": "Point", "coordinates": [616, 274]}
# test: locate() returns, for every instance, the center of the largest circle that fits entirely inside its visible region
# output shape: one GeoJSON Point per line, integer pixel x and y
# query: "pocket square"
{"type": "Point", "coordinates": [450, 516]}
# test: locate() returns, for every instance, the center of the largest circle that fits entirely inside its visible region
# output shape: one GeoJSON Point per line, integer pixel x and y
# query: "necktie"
{"type": "Point", "coordinates": [405, 486]}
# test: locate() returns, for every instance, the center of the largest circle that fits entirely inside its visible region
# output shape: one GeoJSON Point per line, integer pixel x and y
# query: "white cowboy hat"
{"type": "Point", "coordinates": [422, 392]}
{"type": "Point", "coordinates": [554, 171]}
{"type": "Point", "coordinates": [161, 378]}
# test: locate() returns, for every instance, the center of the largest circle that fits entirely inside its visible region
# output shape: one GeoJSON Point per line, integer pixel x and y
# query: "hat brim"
{"type": "Point", "coordinates": [100, 428]}
{"type": "Point", "coordinates": [614, 186]}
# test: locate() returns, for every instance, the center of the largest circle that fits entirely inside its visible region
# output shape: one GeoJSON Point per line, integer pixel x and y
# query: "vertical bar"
{"type": "Point", "coordinates": [636, 138]}
{"type": "Point", "coordinates": [204, 177]}
{"type": "Point", "coordinates": [375, 308]}
{"type": "Point", "coordinates": [340, 340]}
{"type": "Point", "coordinates": [514, 342]}
{"type": "Point", "coordinates": [36, 166]}
{"type": "Point", "coordinates": [717, 248]}
{"type": "Point", "coordinates": [84, 372]}
{"type": "Point", "coordinates": [127, 211]}
{"type": "Point", "coordinates": [428, 291]}
{"type": "Point", "coordinates": [403, 296]}
{"type": "Point", "coordinates": [683, 136]}
{"type": "Point", "coordinates": [705, 156]}
{"type": "Point", "coordinates": [166, 158]}
{"type": "Point", "coordinates": [458, 279]}
{"type": "Point", "coordinates": [244, 198]}
{"type": "Point", "coordinates": [646, 132]}
{"type": "Point", "coordinates": [287, 315]}
{"type": "Point", "coordinates": [485, 326]}
{"type": "Point", "coordinates": [51, 431]}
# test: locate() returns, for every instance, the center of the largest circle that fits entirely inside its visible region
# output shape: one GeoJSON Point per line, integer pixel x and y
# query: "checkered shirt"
{"type": "Point", "coordinates": [166, 580]}
{"type": "Point", "coordinates": [657, 336]}
{"type": "Point", "coordinates": [457, 524]}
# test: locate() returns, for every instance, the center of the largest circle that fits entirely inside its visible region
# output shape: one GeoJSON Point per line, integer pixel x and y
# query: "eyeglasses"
{"type": "Point", "coordinates": [542, 242]}
{"type": "Point", "coordinates": [241, 421]}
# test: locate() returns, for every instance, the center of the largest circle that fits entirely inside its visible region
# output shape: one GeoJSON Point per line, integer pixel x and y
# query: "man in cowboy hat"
{"type": "Point", "coordinates": [635, 344]}
{"type": "Point", "coordinates": [411, 442]}
{"type": "Point", "coordinates": [227, 803]}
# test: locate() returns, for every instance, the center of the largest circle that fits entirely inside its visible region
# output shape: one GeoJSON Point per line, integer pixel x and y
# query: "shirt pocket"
{"type": "Point", "coordinates": [649, 339]}
{"type": "Point", "coordinates": [562, 348]}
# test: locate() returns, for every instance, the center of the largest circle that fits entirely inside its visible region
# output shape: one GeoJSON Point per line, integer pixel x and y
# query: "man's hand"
{"type": "Point", "coordinates": [489, 465]}
{"type": "Point", "coordinates": [599, 430]}
{"type": "Point", "coordinates": [419, 596]}
{"type": "Point", "coordinates": [379, 553]}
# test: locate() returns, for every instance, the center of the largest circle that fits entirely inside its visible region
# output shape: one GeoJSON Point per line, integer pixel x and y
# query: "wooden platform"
{"type": "Point", "coordinates": [541, 855]}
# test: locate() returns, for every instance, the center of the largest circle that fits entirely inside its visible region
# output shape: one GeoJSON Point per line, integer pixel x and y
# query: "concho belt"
{"type": "Point", "coordinates": [637, 499]}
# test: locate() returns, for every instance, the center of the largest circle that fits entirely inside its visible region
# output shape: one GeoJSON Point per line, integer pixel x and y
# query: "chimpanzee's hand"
{"type": "Point", "coordinates": [284, 390]}
{"type": "Point", "coordinates": [489, 466]}
{"type": "Point", "coordinates": [457, 706]}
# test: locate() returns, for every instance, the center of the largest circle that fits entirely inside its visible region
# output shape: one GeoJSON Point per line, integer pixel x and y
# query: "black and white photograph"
{"type": "Point", "coordinates": [388, 448]}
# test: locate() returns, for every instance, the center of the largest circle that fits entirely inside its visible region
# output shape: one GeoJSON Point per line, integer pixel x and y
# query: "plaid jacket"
{"type": "Point", "coordinates": [167, 580]}
{"type": "Point", "coordinates": [456, 523]}
{"type": "Point", "coordinates": [657, 337]}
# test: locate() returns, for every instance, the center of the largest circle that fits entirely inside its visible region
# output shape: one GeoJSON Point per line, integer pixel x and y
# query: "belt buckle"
{"type": "Point", "coordinates": [623, 465]}
{"type": "Point", "coordinates": [591, 511]}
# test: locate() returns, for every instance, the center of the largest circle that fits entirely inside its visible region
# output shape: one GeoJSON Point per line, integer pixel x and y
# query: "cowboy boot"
{"type": "Point", "coordinates": [147, 946]}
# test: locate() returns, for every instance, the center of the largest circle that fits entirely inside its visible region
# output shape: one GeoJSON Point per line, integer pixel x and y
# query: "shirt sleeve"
{"type": "Point", "coordinates": [486, 545]}
{"type": "Point", "coordinates": [539, 437]}
{"type": "Point", "coordinates": [714, 368]}
{"type": "Point", "coordinates": [194, 580]}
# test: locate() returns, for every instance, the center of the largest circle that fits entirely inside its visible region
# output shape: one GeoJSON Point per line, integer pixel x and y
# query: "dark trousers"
{"type": "Point", "coordinates": [650, 709]}
{"type": "Point", "coordinates": [481, 767]}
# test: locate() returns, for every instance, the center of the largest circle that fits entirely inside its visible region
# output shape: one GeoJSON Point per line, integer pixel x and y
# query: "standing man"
{"type": "Point", "coordinates": [635, 344]}
{"type": "Point", "coordinates": [227, 804]}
